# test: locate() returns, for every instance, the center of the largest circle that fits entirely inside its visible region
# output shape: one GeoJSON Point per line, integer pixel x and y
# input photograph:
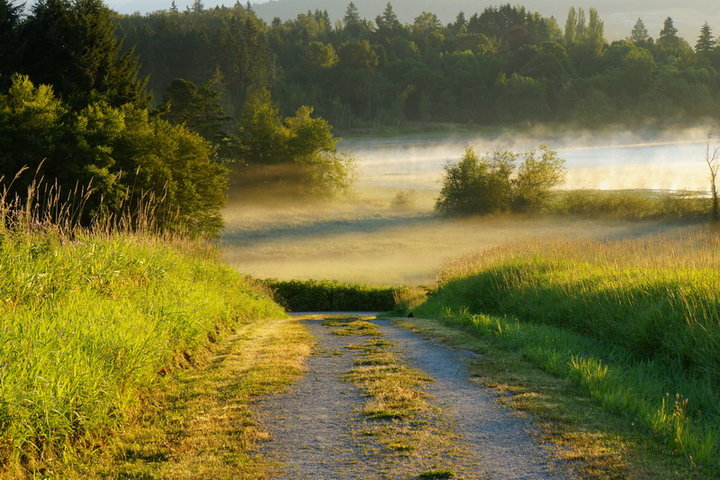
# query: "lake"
{"type": "Point", "coordinates": [667, 161]}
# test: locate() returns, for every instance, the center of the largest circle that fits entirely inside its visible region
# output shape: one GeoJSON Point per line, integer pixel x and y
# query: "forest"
{"type": "Point", "coordinates": [504, 65]}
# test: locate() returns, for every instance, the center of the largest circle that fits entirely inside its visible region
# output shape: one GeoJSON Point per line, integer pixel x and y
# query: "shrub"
{"type": "Point", "coordinates": [496, 183]}
{"type": "Point", "coordinates": [331, 296]}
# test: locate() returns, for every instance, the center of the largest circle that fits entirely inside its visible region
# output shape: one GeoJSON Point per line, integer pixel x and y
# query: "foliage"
{"type": "Point", "coordinates": [299, 149]}
{"type": "Point", "coordinates": [504, 64]}
{"type": "Point", "coordinates": [198, 108]}
{"type": "Point", "coordinates": [629, 205]}
{"type": "Point", "coordinates": [122, 154]}
{"type": "Point", "coordinates": [197, 44]}
{"type": "Point", "coordinates": [630, 321]}
{"type": "Point", "coordinates": [89, 325]}
{"type": "Point", "coordinates": [330, 296]}
{"type": "Point", "coordinates": [496, 183]}
{"type": "Point", "coordinates": [72, 47]}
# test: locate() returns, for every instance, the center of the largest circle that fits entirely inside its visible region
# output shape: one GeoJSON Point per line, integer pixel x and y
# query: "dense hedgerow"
{"type": "Point", "coordinates": [331, 296]}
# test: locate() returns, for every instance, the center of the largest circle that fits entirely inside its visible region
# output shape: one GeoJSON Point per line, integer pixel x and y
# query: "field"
{"type": "Point", "coordinates": [386, 236]}
{"type": "Point", "coordinates": [634, 322]}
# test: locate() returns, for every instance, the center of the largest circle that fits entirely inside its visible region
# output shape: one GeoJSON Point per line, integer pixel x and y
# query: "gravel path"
{"type": "Point", "coordinates": [314, 428]}
{"type": "Point", "coordinates": [500, 441]}
{"type": "Point", "coordinates": [311, 427]}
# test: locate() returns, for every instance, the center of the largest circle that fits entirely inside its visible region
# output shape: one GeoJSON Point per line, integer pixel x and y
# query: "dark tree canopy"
{"type": "Point", "coordinates": [72, 46]}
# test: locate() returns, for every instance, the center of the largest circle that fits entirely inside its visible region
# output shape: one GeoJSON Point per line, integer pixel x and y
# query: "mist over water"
{"type": "Point", "coordinates": [371, 239]}
{"type": "Point", "coordinates": [657, 161]}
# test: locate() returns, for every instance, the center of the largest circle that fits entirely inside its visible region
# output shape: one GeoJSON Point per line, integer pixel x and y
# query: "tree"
{"type": "Point", "coordinates": [477, 185]}
{"type": "Point", "coordinates": [352, 21]}
{"type": "Point", "coordinates": [540, 171]}
{"type": "Point", "coordinates": [296, 153]}
{"type": "Point", "coordinates": [128, 159]}
{"type": "Point", "coordinates": [496, 183]}
{"type": "Point", "coordinates": [72, 46]}
{"type": "Point", "coordinates": [571, 26]}
{"type": "Point", "coordinates": [712, 159]}
{"type": "Point", "coordinates": [668, 31]}
{"type": "Point", "coordinates": [388, 24]}
{"type": "Point", "coordinates": [639, 34]}
{"type": "Point", "coordinates": [199, 109]}
{"type": "Point", "coordinates": [706, 41]}
{"type": "Point", "coordinates": [9, 42]}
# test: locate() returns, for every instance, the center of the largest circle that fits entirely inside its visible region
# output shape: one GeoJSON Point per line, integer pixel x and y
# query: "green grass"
{"type": "Point", "coordinates": [330, 296]}
{"type": "Point", "coordinates": [635, 323]}
{"type": "Point", "coordinates": [90, 323]}
{"type": "Point", "coordinates": [630, 204]}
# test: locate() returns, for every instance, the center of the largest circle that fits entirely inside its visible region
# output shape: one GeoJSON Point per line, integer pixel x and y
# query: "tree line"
{"type": "Point", "coordinates": [502, 65]}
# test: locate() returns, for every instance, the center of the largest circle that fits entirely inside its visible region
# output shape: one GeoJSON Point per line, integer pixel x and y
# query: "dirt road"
{"type": "Point", "coordinates": [319, 431]}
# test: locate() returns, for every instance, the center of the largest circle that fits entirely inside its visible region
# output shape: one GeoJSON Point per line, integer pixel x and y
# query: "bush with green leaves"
{"type": "Point", "coordinates": [123, 155]}
{"type": "Point", "coordinates": [296, 153]}
{"type": "Point", "coordinates": [500, 181]}
{"type": "Point", "coordinates": [331, 296]}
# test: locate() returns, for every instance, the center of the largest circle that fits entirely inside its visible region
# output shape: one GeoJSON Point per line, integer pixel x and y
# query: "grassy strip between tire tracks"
{"type": "Point", "coordinates": [400, 415]}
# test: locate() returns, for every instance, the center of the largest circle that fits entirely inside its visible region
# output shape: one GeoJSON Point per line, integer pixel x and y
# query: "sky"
{"type": "Point", "coordinates": [619, 15]}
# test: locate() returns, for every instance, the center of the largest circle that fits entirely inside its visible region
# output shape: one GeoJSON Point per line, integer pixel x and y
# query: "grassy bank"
{"type": "Point", "coordinates": [635, 323]}
{"type": "Point", "coordinates": [90, 322]}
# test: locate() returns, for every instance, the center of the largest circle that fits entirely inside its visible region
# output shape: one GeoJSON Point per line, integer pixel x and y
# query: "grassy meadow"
{"type": "Point", "coordinates": [91, 321]}
{"type": "Point", "coordinates": [385, 236]}
{"type": "Point", "coordinates": [634, 322]}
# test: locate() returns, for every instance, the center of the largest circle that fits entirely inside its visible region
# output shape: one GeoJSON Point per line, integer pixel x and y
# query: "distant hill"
{"type": "Point", "coordinates": [619, 15]}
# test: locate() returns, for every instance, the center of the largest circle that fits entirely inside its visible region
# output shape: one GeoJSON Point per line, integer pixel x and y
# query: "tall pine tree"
{"type": "Point", "coordinates": [9, 21]}
{"type": "Point", "coordinates": [639, 34]}
{"type": "Point", "coordinates": [706, 42]}
{"type": "Point", "coordinates": [72, 46]}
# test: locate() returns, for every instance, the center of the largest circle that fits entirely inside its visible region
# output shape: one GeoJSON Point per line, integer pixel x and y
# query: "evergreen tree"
{"type": "Point", "coordinates": [72, 46]}
{"type": "Point", "coordinates": [388, 23]}
{"type": "Point", "coordinates": [199, 109]}
{"type": "Point", "coordinates": [668, 31]}
{"type": "Point", "coordinates": [639, 34]}
{"type": "Point", "coordinates": [9, 44]}
{"type": "Point", "coordinates": [352, 21]}
{"type": "Point", "coordinates": [706, 42]}
{"type": "Point", "coordinates": [173, 7]}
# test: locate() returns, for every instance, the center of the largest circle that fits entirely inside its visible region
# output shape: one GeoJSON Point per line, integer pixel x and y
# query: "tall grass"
{"type": "Point", "coordinates": [635, 322]}
{"type": "Point", "coordinates": [91, 318]}
{"type": "Point", "coordinates": [630, 204]}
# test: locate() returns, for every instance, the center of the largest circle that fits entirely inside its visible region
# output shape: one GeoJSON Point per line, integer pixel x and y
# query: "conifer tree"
{"type": "Point", "coordinates": [9, 20]}
{"type": "Point", "coordinates": [706, 42]}
{"type": "Point", "coordinates": [72, 46]}
{"type": "Point", "coordinates": [352, 21]}
{"type": "Point", "coordinates": [639, 34]}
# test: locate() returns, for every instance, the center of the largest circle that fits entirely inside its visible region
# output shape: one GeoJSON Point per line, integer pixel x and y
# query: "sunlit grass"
{"type": "Point", "coordinates": [635, 323]}
{"type": "Point", "coordinates": [92, 317]}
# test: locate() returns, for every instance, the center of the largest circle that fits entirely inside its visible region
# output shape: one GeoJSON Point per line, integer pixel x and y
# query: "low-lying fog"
{"type": "Point", "coordinates": [667, 161]}
{"type": "Point", "coordinates": [370, 239]}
